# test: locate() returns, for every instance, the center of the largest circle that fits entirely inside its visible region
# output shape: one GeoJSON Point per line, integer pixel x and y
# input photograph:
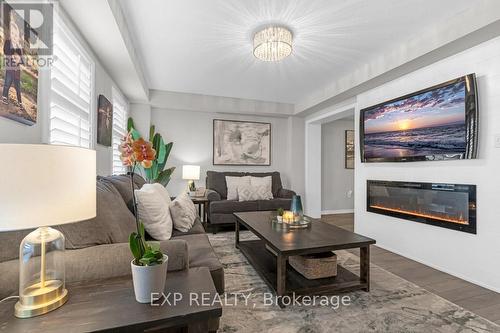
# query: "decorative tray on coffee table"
{"type": "Point", "coordinates": [304, 222]}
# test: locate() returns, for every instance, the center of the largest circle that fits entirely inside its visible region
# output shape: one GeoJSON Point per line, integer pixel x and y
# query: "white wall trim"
{"type": "Point", "coordinates": [337, 211]}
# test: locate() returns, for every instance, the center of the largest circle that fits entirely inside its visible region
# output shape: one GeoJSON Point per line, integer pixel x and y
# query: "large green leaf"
{"type": "Point", "coordinates": [159, 146]}
{"type": "Point", "coordinates": [154, 170]}
{"type": "Point", "coordinates": [135, 134]}
{"type": "Point", "coordinates": [151, 132]}
{"type": "Point", "coordinates": [164, 176]}
{"type": "Point", "coordinates": [168, 148]}
{"type": "Point", "coordinates": [130, 128]}
{"type": "Point", "coordinates": [130, 123]}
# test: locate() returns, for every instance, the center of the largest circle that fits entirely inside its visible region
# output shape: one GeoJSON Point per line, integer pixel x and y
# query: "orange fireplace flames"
{"type": "Point", "coordinates": [440, 217]}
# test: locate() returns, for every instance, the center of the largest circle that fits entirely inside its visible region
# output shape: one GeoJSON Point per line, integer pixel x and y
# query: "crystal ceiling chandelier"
{"type": "Point", "coordinates": [273, 43]}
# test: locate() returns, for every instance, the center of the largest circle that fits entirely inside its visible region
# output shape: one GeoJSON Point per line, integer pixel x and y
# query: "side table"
{"type": "Point", "coordinates": [109, 306]}
{"type": "Point", "coordinates": [201, 202]}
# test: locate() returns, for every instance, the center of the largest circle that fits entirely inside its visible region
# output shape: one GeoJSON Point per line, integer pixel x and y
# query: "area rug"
{"type": "Point", "coordinates": [392, 305]}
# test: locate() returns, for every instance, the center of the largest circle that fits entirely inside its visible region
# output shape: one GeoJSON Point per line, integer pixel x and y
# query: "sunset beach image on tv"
{"type": "Point", "coordinates": [426, 124]}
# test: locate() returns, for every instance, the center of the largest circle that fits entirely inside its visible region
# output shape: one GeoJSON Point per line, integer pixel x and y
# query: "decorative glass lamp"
{"type": "Point", "coordinates": [42, 186]}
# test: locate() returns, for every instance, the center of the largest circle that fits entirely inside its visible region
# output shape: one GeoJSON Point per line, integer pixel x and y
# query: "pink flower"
{"type": "Point", "coordinates": [127, 153]}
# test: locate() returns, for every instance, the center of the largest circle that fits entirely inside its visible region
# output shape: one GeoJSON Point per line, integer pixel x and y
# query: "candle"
{"type": "Point", "coordinates": [288, 217]}
{"type": "Point", "coordinates": [297, 217]}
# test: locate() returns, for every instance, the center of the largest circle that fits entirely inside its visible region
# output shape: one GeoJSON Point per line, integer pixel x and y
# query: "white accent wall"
{"type": "Point", "coordinates": [337, 182]}
{"type": "Point", "coordinates": [475, 258]}
{"type": "Point", "coordinates": [192, 134]}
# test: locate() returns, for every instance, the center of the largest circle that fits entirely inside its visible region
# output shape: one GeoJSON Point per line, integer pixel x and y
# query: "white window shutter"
{"type": "Point", "coordinates": [120, 115]}
{"type": "Point", "coordinates": [72, 76]}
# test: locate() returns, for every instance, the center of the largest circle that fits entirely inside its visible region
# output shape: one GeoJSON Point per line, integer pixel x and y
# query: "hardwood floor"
{"type": "Point", "coordinates": [482, 301]}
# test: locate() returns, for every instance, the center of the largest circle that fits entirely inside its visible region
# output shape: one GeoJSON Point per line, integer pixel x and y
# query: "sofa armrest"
{"type": "Point", "coordinates": [285, 194]}
{"type": "Point", "coordinates": [213, 195]}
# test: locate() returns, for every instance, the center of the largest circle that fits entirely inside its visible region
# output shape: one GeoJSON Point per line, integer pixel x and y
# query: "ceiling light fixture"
{"type": "Point", "coordinates": [272, 43]}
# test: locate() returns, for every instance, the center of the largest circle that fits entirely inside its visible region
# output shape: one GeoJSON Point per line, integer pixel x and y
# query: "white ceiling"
{"type": "Point", "coordinates": [204, 47]}
{"type": "Point", "coordinates": [98, 21]}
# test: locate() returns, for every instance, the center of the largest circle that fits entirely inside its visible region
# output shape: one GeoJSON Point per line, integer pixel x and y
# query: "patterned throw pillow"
{"type": "Point", "coordinates": [183, 212]}
{"type": "Point", "coordinates": [232, 185]}
{"type": "Point", "coordinates": [267, 182]}
{"type": "Point", "coordinates": [251, 193]}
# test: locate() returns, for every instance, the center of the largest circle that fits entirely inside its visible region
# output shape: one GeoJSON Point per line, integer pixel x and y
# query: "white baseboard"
{"type": "Point", "coordinates": [337, 211]}
{"type": "Point", "coordinates": [447, 271]}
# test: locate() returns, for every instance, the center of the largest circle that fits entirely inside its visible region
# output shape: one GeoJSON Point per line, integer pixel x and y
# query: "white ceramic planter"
{"type": "Point", "coordinates": [148, 280]}
{"type": "Point", "coordinates": [280, 219]}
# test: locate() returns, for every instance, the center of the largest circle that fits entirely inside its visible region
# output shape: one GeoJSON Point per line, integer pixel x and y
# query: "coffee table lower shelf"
{"type": "Point", "coordinates": [265, 263]}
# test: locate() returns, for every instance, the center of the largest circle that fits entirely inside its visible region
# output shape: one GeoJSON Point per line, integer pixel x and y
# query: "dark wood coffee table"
{"type": "Point", "coordinates": [110, 306]}
{"type": "Point", "coordinates": [319, 237]}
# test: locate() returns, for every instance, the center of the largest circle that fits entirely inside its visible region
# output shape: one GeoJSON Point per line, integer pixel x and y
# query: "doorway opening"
{"type": "Point", "coordinates": [337, 172]}
{"type": "Point", "coordinates": [314, 189]}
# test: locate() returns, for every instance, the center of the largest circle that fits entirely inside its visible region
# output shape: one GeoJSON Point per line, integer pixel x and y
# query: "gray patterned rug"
{"type": "Point", "coordinates": [392, 305]}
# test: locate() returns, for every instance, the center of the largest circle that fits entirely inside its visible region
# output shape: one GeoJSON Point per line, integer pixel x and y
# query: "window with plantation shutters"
{"type": "Point", "coordinates": [120, 115]}
{"type": "Point", "coordinates": [71, 96]}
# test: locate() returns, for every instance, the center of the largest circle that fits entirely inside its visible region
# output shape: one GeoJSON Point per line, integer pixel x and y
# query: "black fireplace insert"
{"type": "Point", "coordinates": [450, 206]}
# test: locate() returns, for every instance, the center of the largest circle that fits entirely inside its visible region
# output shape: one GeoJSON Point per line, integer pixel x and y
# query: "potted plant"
{"type": "Point", "coordinates": [149, 266]}
{"type": "Point", "coordinates": [156, 171]}
{"type": "Point", "coordinates": [192, 189]}
{"type": "Point", "coordinates": [279, 214]}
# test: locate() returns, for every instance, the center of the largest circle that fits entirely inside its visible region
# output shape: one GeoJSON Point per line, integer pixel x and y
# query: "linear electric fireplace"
{"type": "Point", "coordinates": [450, 206]}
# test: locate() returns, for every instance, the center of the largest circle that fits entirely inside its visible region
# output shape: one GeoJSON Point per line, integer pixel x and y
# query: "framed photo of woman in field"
{"type": "Point", "coordinates": [18, 69]}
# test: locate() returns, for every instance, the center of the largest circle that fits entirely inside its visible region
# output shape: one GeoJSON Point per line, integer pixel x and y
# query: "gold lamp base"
{"type": "Point", "coordinates": [38, 299]}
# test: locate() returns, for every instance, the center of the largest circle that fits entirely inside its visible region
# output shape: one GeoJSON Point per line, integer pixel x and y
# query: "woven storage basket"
{"type": "Point", "coordinates": [315, 266]}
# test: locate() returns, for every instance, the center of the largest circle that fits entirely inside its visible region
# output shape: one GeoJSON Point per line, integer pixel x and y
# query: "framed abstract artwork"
{"type": "Point", "coordinates": [104, 121]}
{"type": "Point", "coordinates": [349, 149]}
{"type": "Point", "coordinates": [241, 143]}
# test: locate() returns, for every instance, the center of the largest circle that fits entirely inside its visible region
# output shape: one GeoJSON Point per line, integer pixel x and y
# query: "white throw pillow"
{"type": "Point", "coordinates": [267, 182]}
{"type": "Point", "coordinates": [251, 193]}
{"type": "Point", "coordinates": [163, 192]}
{"type": "Point", "coordinates": [153, 211]}
{"type": "Point", "coordinates": [183, 212]}
{"type": "Point", "coordinates": [232, 184]}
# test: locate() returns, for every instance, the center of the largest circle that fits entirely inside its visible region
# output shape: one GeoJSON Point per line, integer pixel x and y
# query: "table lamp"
{"type": "Point", "coordinates": [42, 186]}
{"type": "Point", "coordinates": [191, 173]}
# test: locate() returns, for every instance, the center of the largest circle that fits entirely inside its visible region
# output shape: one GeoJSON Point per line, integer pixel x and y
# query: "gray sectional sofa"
{"type": "Point", "coordinates": [220, 210]}
{"type": "Point", "coordinates": [98, 248]}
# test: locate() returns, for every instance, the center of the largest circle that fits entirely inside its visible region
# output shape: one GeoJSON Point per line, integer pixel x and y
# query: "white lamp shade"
{"type": "Point", "coordinates": [191, 172]}
{"type": "Point", "coordinates": [44, 185]}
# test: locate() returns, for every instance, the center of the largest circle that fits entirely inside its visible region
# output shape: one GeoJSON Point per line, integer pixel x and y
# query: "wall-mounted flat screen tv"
{"type": "Point", "coordinates": [437, 123]}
